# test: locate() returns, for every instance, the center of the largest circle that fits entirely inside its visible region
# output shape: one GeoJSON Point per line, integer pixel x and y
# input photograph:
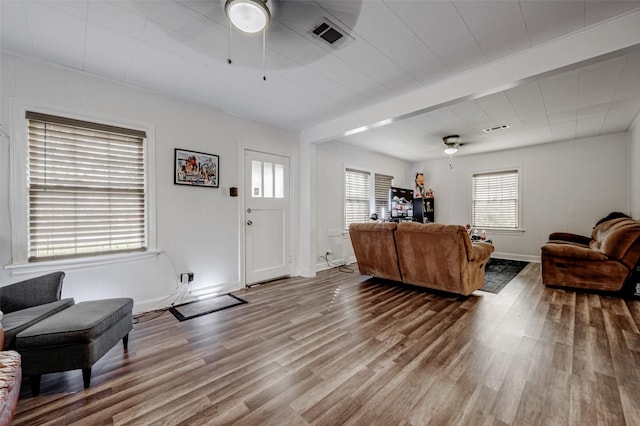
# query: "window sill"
{"type": "Point", "coordinates": [503, 231]}
{"type": "Point", "coordinates": [18, 269]}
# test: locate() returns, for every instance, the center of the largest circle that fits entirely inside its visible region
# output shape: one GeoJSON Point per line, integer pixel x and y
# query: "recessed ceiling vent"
{"type": "Point", "coordinates": [329, 33]}
{"type": "Point", "coordinates": [494, 129]}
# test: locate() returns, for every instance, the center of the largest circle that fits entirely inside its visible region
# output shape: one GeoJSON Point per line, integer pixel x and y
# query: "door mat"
{"type": "Point", "coordinates": [206, 306]}
{"type": "Point", "coordinates": [499, 272]}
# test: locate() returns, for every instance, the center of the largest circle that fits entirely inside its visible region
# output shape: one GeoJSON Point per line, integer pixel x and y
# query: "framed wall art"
{"type": "Point", "coordinates": [196, 168]}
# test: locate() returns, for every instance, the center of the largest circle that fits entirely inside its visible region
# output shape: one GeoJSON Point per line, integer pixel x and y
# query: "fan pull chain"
{"type": "Point", "coordinates": [229, 51]}
{"type": "Point", "coordinates": [264, 53]}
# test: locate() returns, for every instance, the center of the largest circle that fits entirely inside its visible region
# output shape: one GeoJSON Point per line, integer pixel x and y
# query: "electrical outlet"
{"type": "Point", "coordinates": [186, 277]}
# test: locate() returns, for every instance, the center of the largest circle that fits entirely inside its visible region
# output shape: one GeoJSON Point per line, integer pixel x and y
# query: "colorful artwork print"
{"type": "Point", "coordinates": [196, 168]}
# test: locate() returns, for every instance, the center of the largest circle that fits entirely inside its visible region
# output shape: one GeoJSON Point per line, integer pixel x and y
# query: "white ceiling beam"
{"type": "Point", "coordinates": [579, 47]}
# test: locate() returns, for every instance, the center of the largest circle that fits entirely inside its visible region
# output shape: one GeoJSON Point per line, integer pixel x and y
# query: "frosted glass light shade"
{"type": "Point", "coordinates": [450, 150]}
{"type": "Point", "coordinates": [249, 16]}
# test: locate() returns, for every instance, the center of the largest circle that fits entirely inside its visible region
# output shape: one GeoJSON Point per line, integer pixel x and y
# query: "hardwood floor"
{"type": "Point", "coordinates": [341, 349]}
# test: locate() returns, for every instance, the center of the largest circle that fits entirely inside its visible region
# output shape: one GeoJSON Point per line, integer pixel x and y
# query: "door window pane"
{"type": "Point", "coordinates": [279, 180]}
{"type": "Point", "coordinates": [268, 180]}
{"type": "Point", "coordinates": [256, 178]}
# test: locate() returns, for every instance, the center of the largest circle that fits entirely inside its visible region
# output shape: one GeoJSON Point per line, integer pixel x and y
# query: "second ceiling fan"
{"type": "Point", "coordinates": [451, 144]}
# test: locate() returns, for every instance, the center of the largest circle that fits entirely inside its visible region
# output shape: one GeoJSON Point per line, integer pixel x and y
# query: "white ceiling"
{"type": "Point", "coordinates": [395, 48]}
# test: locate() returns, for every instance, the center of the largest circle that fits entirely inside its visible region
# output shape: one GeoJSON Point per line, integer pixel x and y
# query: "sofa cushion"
{"type": "Point", "coordinates": [617, 240]}
{"type": "Point", "coordinates": [600, 231]}
{"type": "Point", "coordinates": [441, 257]}
{"type": "Point", "coordinates": [17, 321]}
{"type": "Point", "coordinates": [82, 322]}
{"type": "Point", "coordinates": [572, 251]}
{"type": "Point", "coordinates": [374, 245]}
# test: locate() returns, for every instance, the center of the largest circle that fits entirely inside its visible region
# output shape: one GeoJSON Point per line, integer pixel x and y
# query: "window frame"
{"type": "Point", "coordinates": [344, 194]}
{"type": "Point", "coordinates": [498, 229]}
{"type": "Point", "coordinates": [373, 208]}
{"type": "Point", "coordinates": [387, 207]}
{"type": "Point", "coordinates": [19, 194]}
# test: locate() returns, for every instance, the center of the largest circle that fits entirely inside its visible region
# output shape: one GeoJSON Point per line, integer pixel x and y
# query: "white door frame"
{"type": "Point", "coordinates": [243, 211]}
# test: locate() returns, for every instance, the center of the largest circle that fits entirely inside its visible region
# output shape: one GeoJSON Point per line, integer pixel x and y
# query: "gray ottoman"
{"type": "Point", "coordinates": [74, 338]}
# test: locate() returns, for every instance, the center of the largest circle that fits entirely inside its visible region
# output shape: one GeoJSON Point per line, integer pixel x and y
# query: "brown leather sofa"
{"type": "Point", "coordinates": [602, 262]}
{"type": "Point", "coordinates": [432, 255]}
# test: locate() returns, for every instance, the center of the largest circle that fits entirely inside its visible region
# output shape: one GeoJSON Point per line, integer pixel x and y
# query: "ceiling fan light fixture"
{"type": "Point", "coordinates": [450, 150]}
{"type": "Point", "coordinates": [451, 144]}
{"type": "Point", "coordinates": [250, 16]}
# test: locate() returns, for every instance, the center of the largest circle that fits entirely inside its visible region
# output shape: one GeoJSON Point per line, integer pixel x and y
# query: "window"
{"type": "Point", "coordinates": [382, 183]}
{"type": "Point", "coordinates": [495, 200]}
{"type": "Point", "coordinates": [86, 186]}
{"type": "Point", "coordinates": [356, 197]}
{"type": "Point", "coordinates": [272, 175]}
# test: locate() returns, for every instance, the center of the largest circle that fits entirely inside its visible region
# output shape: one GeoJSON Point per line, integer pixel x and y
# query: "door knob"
{"type": "Point", "coordinates": [249, 222]}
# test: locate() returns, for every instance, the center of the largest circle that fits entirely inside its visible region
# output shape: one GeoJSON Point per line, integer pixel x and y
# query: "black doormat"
{"type": "Point", "coordinates": [499, 272]}
{"type": "Point", "coordinates": [206, 306]}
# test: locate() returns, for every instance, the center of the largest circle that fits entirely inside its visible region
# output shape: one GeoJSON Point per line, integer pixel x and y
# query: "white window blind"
{"type": "Point", "coordinates": [495, 200]}
{"type": "Point", "coordinates": [86, 188]}
{"type": "Point", "coordinates": [356, 197]}
{"type": "Point", "coordinates": [381, 185]}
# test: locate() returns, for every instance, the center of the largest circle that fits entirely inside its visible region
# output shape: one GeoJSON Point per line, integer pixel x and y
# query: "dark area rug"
{"type": "Point", "coordinates": [499, 272]}
{"type": "Point", "coordinates": [203, 307]}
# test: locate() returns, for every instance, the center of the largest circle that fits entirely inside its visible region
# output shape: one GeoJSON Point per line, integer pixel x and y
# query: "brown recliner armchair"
{"type": "Point", "coordinates": [602, 262]}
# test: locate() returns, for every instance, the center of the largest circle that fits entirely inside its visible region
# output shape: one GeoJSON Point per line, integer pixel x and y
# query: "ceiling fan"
{"type": "Point", "coordinates": [289, 25]}
{"type": "Point", "coordinates": [451, 144]}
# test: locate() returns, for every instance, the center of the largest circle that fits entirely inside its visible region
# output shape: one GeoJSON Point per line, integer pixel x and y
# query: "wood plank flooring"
{"type": "Point", "coordinates": [342, 349]}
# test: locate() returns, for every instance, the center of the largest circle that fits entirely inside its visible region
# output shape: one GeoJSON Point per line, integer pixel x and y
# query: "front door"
{"type": "Point", "coordinates": [267, 216]}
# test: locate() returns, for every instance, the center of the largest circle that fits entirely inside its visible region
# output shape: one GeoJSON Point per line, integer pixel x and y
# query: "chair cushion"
{"type": "Point", "coordinates": [83, 322]}
{"type": "Point", "coordinates": [17, 321]}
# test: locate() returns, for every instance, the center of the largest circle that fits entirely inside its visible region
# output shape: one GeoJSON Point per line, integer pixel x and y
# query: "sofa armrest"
{"type": "Point", "coordinates": [569, 237]}
{"type": "Point", "coordinates": [31, 292]}
{"type": "Point", "coordinates": [481, 251]}
{"type": "Point", "coordinates": [572, 250]}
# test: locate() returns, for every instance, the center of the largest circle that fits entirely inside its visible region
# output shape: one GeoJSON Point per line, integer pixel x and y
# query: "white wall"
{"type": "Point", "coordinates": [331, 160]}
{"type": "Point", "coordinates": [634, 170]}
{"type": "Point", "coordinates": [198, 229]}
{"type": "Point", "coordinates": [567, 186]}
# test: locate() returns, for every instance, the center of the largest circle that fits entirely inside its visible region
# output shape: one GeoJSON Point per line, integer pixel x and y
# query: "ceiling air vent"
{"type": "Point", "coordinates": [329, 32]}
{"type": "Point", "coordinates": [493, 129]}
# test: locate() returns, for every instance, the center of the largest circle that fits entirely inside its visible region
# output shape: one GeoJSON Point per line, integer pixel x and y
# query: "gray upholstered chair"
{"type": "Point", "coordinates": [75, 338]}
{"type": "Point", "coordinates": [28, 302]}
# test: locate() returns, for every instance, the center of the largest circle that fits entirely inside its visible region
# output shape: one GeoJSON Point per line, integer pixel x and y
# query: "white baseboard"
{"type": "Point", "coordinates": [511, 256]}
{"type": "Point", "coordinates": [151, 305]}
{"type": "Point", "coordinates": [334, 263]}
